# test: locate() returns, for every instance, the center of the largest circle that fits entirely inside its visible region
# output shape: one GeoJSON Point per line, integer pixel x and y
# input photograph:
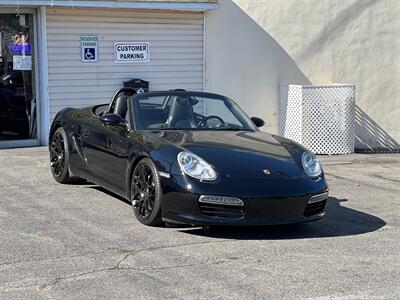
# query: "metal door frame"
{"type": "Point", "coordinates": [38, 94]}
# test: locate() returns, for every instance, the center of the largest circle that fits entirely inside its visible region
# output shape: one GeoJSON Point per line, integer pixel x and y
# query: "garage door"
{"type": "Point", "coordinates": [176, 51]}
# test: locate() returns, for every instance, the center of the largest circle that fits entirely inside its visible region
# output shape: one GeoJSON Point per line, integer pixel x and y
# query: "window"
{"type": "Point", "coordinates": [188, 110]}
{"type": "Point", "coordinates": [17, 78]}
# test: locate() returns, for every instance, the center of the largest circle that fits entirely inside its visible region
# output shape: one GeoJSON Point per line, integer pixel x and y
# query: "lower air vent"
{"type": "Point", "coordinates": [315, 208]}
{"type": "Point", "coordinates": [221, 211]}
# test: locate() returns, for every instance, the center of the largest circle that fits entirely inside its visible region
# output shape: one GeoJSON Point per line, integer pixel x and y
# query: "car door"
{"type": "Point", "coordinates": [106, 151]}
{"type": "Point", "coordinates": [114, 160]}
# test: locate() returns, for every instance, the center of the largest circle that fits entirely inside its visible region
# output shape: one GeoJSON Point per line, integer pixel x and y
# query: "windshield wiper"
{"type": "Point", "coordinates": [226, 129]}
{"type": "Point", "coordinates": [200, 129]}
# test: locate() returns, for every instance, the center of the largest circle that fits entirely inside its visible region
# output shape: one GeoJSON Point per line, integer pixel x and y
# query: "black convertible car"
{"type": "Point", "coordinates": [188, 157]}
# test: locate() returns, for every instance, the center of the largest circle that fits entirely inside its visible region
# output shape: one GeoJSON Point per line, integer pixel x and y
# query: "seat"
{"type": "Point", "coordinates": [121, 105]}
{"type": "Point", "coordinates": [181, 113]}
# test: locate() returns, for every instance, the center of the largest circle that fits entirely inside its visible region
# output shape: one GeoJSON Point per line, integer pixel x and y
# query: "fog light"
{"type": "Point", "coordinates": [221, 200]}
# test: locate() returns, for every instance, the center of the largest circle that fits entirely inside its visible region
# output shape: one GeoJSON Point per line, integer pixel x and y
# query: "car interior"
{"type": "Point", "coordinates": [172, 111]}
{"type": "Point", "coordinates": [169, 111]}
{"type": "Point", "coordinates": [118, 104]}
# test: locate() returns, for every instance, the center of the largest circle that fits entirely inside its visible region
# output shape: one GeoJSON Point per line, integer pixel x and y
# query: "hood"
{"type": "Point", "coordinates": [238, 154]}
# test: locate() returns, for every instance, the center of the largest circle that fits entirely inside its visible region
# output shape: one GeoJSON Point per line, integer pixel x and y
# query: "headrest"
{"type": "Point", "coordinates": [188, 101]}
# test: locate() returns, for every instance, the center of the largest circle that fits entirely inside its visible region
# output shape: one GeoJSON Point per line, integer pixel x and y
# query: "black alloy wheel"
{"type": "Point", "coordinates": [59, 156]}
{"type": "Point", "coordinates": [146, 193]}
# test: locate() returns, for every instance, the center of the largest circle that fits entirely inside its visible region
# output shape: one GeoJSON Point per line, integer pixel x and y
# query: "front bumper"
{"type": "Point", "coordinates": [183, 206]}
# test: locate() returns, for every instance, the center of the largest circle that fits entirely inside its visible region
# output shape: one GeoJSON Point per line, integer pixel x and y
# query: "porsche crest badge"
{"type": "Point", "coordinates": [266, 171]}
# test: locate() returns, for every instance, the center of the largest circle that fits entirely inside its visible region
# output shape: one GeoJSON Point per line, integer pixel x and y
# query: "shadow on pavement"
{"type": "Point", "coordinates": [101, 189]}
{"type": "Point", "coordinates": [338, 221]}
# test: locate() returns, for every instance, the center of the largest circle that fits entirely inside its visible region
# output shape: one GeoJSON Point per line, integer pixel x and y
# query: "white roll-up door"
{"type": "Point", "coordinates": [176, 51]}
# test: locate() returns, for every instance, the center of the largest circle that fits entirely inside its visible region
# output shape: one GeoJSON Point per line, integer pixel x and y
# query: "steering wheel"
{"type": "Point", "coordinates": [203, 122]}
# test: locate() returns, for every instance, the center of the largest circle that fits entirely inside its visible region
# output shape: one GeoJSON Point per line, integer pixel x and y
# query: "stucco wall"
{"type": "Point", "coordinates": [253, 46]}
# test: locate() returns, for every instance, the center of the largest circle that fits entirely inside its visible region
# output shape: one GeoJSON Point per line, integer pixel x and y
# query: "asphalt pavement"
{"type": "Point", "coordinates": [81, 242]}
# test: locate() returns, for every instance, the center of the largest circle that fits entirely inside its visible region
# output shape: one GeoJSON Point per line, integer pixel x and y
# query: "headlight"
{"type": "Point", "coordinates": [195, 166]}
{"type": "Point", "coordinates": [311, 165]}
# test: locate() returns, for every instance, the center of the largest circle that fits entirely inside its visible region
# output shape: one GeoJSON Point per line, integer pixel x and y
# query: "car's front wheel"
{"type": "Point", "coordinates": [146, 193]}
{"type": "Point", "coordinates": [59, 156]}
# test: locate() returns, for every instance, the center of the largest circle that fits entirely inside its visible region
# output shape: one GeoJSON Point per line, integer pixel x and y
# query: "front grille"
{"type": "Point", "coordinates": [313, 209]}
{"type": "Point", "coordinates": [221, 211]}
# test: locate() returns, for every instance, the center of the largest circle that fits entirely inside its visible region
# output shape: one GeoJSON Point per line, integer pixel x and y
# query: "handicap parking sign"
{"type": "Point", "coordinates": [90, 53]}
{"type": "Point", "coordinates": [89, 48]}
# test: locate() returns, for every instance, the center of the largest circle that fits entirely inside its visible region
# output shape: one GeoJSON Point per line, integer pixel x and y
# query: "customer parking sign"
{"type": "Point", "coordinates": [128, 52]}
{"type": "Point", "coordinates": [89, 53]}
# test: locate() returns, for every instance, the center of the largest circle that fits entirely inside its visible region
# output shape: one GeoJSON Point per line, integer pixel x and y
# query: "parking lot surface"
{"type": "Point", "coordinates": [81, 242]}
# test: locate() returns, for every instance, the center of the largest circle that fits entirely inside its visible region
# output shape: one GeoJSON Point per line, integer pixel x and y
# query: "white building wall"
{"type": "Point", "coordinates": [176, 49]}
{"type": "Point", "coordinates": [254, 46]}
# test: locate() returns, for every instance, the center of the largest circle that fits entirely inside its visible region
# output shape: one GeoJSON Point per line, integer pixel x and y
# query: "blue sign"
{"type": "Point", "coordinates": [25, 48]}
{"type": "Point", "coordinates": [90, 53]}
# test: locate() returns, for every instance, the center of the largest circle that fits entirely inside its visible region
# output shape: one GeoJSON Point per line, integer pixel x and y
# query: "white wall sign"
{"type": "Point", "coordinates": [22, 62]}
{"type": "Point", "coordinates": [128, 52]}
{"type": "Point", "coordinates": [89, 48]}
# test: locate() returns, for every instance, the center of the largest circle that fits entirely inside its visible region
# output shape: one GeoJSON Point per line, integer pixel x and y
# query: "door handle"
{"type": "Point", "coordinates": [109, 143]}
{"type": "Point", "coordinates": [85, 133]}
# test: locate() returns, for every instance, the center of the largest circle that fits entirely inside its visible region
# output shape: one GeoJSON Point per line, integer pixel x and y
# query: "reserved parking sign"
{"type": "Point", "coordinates": [89, 47]}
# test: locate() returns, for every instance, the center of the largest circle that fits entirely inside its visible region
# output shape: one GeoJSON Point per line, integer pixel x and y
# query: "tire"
{"type": "Point", "coordinates": [59, 157]}
{"type": "Point", "coordinates": [146, 193]}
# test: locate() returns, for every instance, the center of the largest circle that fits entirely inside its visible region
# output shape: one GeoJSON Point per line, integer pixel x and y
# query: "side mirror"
{"type": "Point", "coordinates": [113, 120]}
{"type": "Point", "coordinates": [258, 121]}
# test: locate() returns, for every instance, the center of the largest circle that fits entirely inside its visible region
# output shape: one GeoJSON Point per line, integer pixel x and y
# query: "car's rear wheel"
{"type": "Point", "coordinates": [59, 157]}
{"type": "Point", "coordinates": [146, 193]}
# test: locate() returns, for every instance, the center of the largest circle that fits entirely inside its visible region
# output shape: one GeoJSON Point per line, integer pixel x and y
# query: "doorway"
{"type": "Point", "coordinates": [18, 95]}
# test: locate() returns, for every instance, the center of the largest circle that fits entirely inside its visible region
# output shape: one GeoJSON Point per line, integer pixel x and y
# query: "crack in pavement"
{"type": "Point", "coordinates": [385, 178]}
{"type": "Point", "coordinates": [11, 263]}
{"type": "Point", "coordinates": [360, 182]}
{"type": "Point", "coordinates": [47, 286]}
{"type": "Point", "coordinates": [337, 163]}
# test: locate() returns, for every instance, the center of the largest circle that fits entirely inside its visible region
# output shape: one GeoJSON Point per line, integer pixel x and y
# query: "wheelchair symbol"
{"type": "Point", "coordinates": [90, 54]}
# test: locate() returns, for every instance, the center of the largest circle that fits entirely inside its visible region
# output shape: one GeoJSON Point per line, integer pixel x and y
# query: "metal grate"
{"type": "Point", "coordinates": [221, 211]}
{"type": "Point", "coordinates": [322, 118]}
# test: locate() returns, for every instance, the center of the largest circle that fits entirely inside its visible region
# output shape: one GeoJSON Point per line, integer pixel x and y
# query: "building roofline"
{"type": "Point", "coordinates": [160, 5]}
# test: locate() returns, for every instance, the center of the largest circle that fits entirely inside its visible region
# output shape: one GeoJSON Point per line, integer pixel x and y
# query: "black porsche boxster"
{"type": "Point", "coordinates": [188, 158]}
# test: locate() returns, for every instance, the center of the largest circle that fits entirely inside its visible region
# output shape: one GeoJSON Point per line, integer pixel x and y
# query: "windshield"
{"type": "Point", "coordinates": [188, 111]}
